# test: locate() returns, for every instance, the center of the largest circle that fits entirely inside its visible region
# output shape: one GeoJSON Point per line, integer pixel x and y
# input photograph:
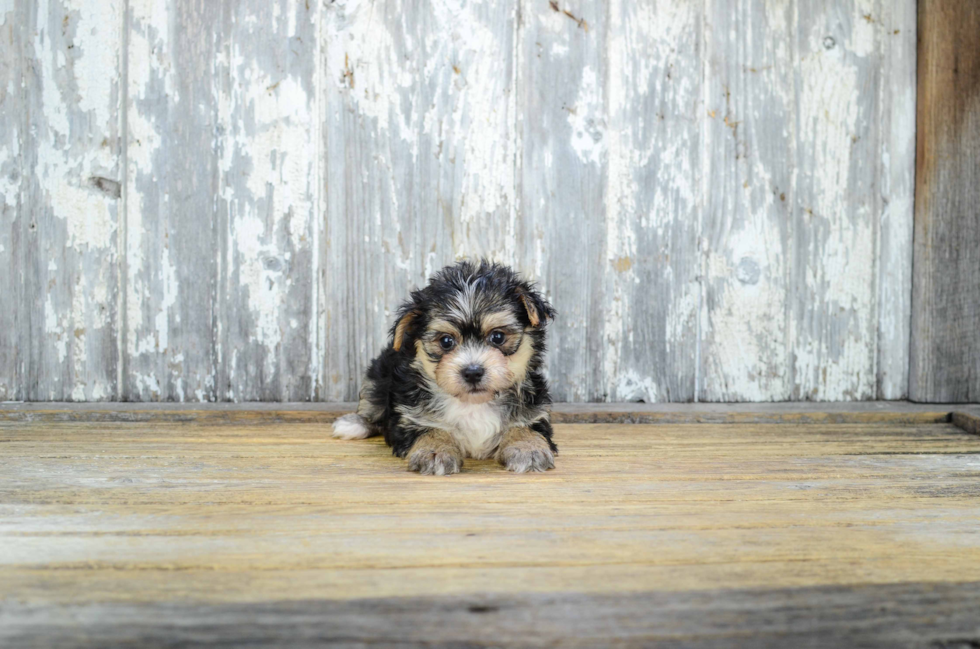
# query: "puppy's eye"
{"type": "Point", "coordinates": [447, 342]}
{"type": "Point", "coordinates": [497, 338]}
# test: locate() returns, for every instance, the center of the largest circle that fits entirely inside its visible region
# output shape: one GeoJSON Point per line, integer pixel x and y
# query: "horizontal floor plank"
{"type": "Point", "coordinates": [886, 615]}
{"type": "Point", "coordinates": [107, 521]}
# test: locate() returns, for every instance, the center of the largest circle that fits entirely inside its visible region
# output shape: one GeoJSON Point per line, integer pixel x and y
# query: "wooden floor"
{"type": "Point", "coordinates": [175, 533]}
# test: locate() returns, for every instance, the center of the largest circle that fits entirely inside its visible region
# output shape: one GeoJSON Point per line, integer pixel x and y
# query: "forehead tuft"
{"type": "Point", "coordinates": [465, 293]}
{"type": "Point", "coordinates": [477, 309]}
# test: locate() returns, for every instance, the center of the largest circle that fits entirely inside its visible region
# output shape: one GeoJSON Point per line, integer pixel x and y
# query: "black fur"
{"type": "Point", "coordinates": [394, 379]}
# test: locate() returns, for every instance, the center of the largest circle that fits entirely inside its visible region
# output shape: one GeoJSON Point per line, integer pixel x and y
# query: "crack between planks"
{"type": "Point", "coordinates": [318, 336]}
{"type": "Point", "coordinates": [878, 198]}
{"type": "Point", "coordinates": [122, 230]}
{"type": "Point", "coordinates": [702, 200]}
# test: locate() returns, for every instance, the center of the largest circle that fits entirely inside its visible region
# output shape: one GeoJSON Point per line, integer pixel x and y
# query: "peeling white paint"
{"type": "Point", "coordinates": [75, 51]}
{"type": "Point", "coordinates": [10, 161]}
{"type": "Point", "coordinates": [587, 120]}
{"type": "Point", "coordinates": [168, 282]}
{"type": "Point", "coordinates": [363, 61]}
{"type": "Point", "coordinates": [261, 283]}
{"type": "Point", "coordinates": [620, 199]}
{"type": "Point", "coordinates": [836, 361]}
{"type": "Point", "coordinates": [147, 384]}
{"type": "Point", "coordinates": [269, 165]}
{"type": "Point", "coordinates": [470, 116]}
{"type": "Point", "coordinates": [631, 386]}
{"type": "Point", "coordinates": [865, 20]}
{"type": "Point", "coordinates": [424, 107]}
{"type": "Point", "coordinates": [96, 67]}
{"type": "Point", "coordinates": [61, 171]}
{"type": "Point", "coordinates": [55, 324]}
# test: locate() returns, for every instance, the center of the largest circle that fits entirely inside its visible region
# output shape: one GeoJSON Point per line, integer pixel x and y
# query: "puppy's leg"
{"type": "Point", "coordinates": [361, 424]}
{"type": "Point", "coordinates": [435, 452]}
{"type": "Point", "coordinates": [522, 450]}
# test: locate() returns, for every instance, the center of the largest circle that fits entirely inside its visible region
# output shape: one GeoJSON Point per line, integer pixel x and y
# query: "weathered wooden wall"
{"type": "Point", "coordinates": [945, 358]}
{"type": "Point", "coordinates": [226, 200]}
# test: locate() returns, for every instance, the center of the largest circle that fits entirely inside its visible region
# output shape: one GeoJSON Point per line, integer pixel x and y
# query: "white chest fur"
{"type": "Point", "coordinates": [477, 427]}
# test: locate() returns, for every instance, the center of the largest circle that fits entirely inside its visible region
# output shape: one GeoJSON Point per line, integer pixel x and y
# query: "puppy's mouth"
{"type": "Point", "coordinates": [476, 395]}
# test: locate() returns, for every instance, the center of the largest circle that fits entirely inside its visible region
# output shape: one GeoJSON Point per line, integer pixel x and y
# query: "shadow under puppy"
{"type": "Point", "coordinates": [461, 376]}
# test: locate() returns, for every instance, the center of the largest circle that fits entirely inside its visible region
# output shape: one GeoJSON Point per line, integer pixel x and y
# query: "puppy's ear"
{"type": "Point", "coordinates": [538, 309]}
{"type": "Point", "coordinates": [401, 333]}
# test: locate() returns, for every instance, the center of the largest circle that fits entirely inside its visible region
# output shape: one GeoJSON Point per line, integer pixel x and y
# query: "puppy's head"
{"type": "Point", "coordinates": [475, 330]}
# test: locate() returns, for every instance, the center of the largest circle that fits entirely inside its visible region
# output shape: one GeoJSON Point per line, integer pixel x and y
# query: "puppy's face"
{"type": "Point", "coordinates": [475, 330]}
{"type": "Point", "coordinates": [474, 356]}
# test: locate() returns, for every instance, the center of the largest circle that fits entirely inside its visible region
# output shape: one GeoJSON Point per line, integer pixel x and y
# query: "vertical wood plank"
{"type": "Point", "coordinates": [896, 126]}
{"type": "Point", "coordinates": [750, 113]}
{"type": "Point", "coordinates": [13, 128]}
{"type": "Point", "coordinates": [792, 292]}
{"type": "Point", "coordinates": [563, 182]}
{"type": "Point", "coordinates": [834, 227]}
{"type": "Point", "coordinates": [70, 203]}
{"type": "Point", "coordinates": [267, 153]}
{"type": "Point", "coordinates": [172, 243]}
{"type": "Point", "coordinates": [420, 155]}
{"type": "Point", "coordinates": [467, 142]}
{"type": "Point", "coordinates": [945, 350]}
{"type": "Point", "coordinates": [650, 263]}
{"type": "Point", "coordinates": [371, 101]}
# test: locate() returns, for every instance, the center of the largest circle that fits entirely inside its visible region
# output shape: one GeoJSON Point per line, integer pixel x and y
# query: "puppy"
{"type": "Point", "coordinates": [461, 375]}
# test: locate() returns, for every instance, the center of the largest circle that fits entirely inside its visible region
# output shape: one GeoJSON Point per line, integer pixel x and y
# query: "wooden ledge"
{"type": "Point", "coordinates": [968, 421]}
{"type": "Point", "coordinates": [966, 416]}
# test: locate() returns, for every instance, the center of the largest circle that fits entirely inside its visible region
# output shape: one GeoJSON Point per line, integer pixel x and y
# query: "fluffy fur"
{"type": "Point", "coordinates": [461, 375]}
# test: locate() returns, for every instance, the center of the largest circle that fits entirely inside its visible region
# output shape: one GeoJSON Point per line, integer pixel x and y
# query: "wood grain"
{"type": "Point", "coordinates": [173, 244]}
{"type": "Point", "coordinates": [796, 96]}
{"type": "Point", "coordinates": [835, 219]}
{"type": "Point", "coordinates": [945, 356]}
{"type": "Point", "coordinates": [12, 134]}
{"type": "Point", "coordinates": [420, 170]}
{"type": "Point", "coordinates": [650, 262]}
{"type": "Point", "coordinates": [228, 201]}
{"type": "Point", "coordinates": [896, 42]}
{"type": "Point", "coordinates": [889, 616]}
{"type": "Point", "coordinates": [370, 121]}
{"type": "Point", "coordinates": [968, 421]}
{"type": "Point", "coordinates": [564, 123]}
{"type": "Point", "coordinates": [750, 122]}
{"type": "Point", "coordinates": [266, 321]}
{"type": "Point", "coordinates": [63, 238]}
{"type": "Point", "coordinates": [324, 413]}
{"type": "Point", "coordinates": [106, 523]}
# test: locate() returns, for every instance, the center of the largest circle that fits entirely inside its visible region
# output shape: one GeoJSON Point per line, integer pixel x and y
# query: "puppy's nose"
{"type": "Point", "coordinates": [473, 374]}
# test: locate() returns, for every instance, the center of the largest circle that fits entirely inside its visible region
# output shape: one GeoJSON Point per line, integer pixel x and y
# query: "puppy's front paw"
{"type": "Point", "coordinates": [524, 451]}
{"type": "Point", "coordinates": [435, 454]}
{"type": "Point", "coordinates": [434, 463]}
{"type": "Point", "coordinates": [521, 459]}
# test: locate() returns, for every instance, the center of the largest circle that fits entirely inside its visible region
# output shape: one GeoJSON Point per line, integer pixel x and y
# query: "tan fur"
{"type": "Point", "coordinates": [518, 361]}
{"type": "Point", "coordinates": [522, 450]}
{"type": "Point", "coordinates": [400, 329]}
{"type": "Point", "coordinates": [498, 320]}
{"type": "Point", "coordinates": [532, 313]}
{"type": "Point", "coordinates": [435, 453]}
{"type": "Point", "coordinates": [421, 357]}
{"type": "Point", "coordinates": [444, 326]}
